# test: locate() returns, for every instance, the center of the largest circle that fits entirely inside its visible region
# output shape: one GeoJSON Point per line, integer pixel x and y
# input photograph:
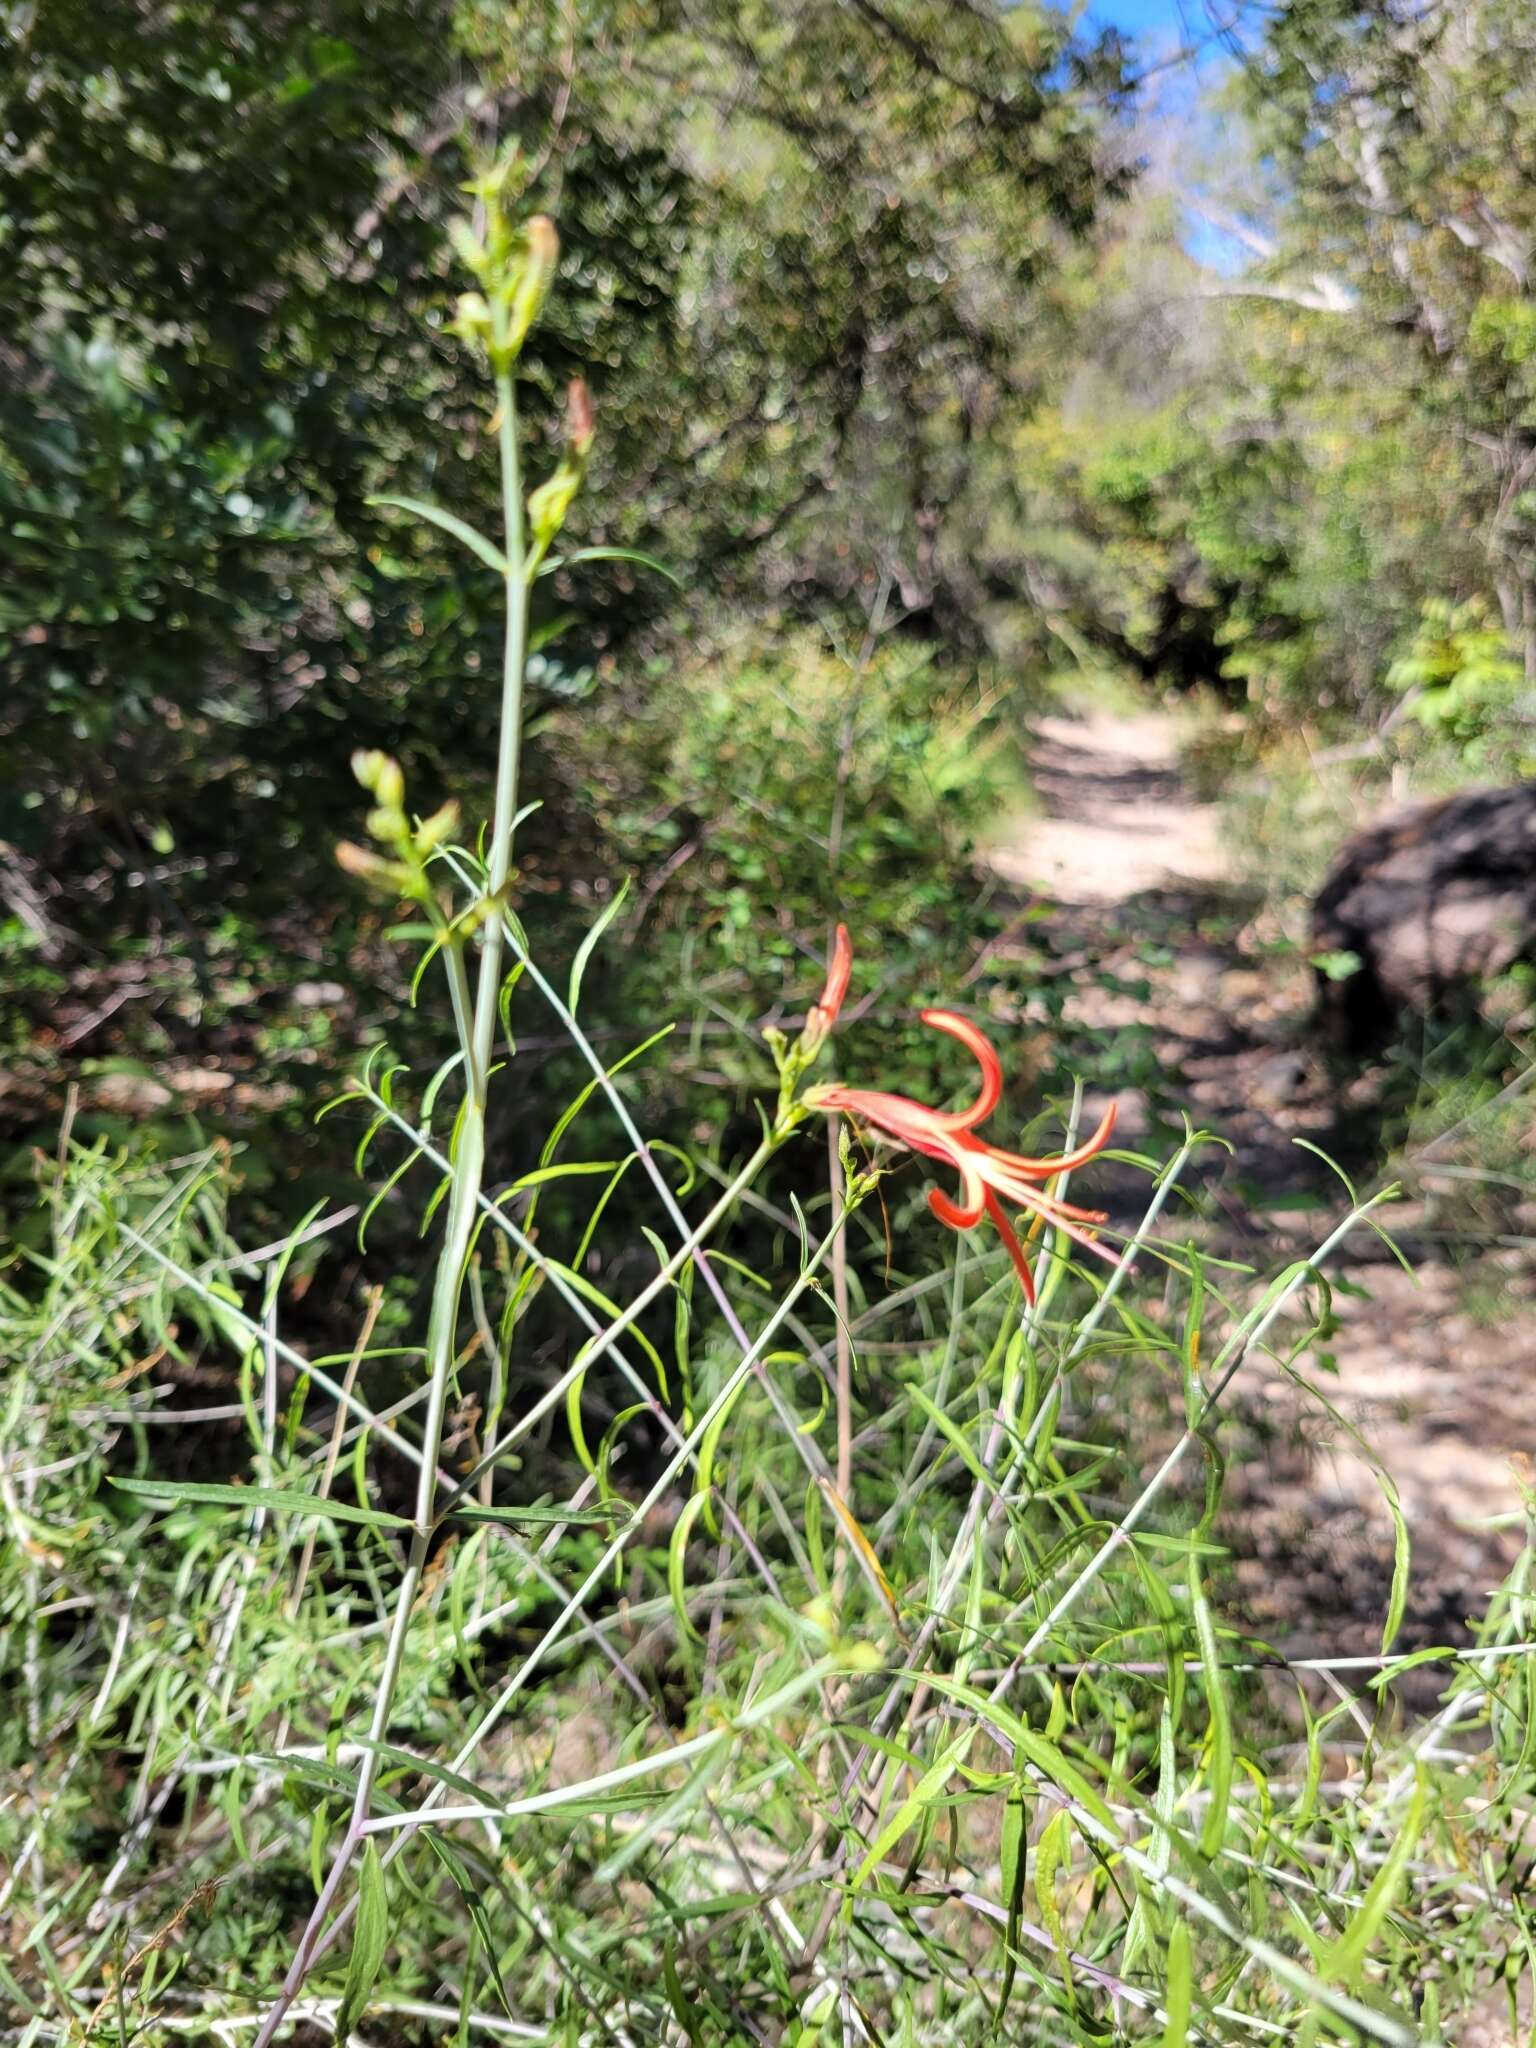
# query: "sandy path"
{"type": "Point", "coordinates": [1446, 1400]}
{"type": "Point", "coordinates": [1118, 817]}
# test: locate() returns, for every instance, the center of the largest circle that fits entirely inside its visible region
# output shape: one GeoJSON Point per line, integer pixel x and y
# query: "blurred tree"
{"type": "Point", "coordinates": [804, 259]}
{"type": "Point", "coordinates": [1406, 135]}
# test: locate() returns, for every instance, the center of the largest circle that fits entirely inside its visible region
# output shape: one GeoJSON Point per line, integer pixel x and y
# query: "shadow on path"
{"type": "Point", "coordinates": [1174, 997]}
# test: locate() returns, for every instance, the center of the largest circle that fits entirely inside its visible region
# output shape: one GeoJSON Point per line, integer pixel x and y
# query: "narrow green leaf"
{"type": "Point", "coordinates": [1432, 1653]}
{"type": "Point", "coordinates": [688, 2013]}
{"type": "Point", "coordinates": [1015, 1819]}
{"type": "Point", "coordinates": [543, 1516]}
{"type": "Point", "coordinates": [429, 1099]}
{"type": "Point", "coordinates": [584, 951]}
{"type": "Point", "coordinates": [1030, 1745]}
{"type": "Point", "coordinates": [288, 1499]}
{"type": "Point", "coordinates": [667, 1816]}
{"type": "Point", "coordinates": [381, 1196]}
{"type": "Point", "coordinates": [573, 1423]}
{"type": "Point", "coordinates": [428, 1767]}
{"type": "Point", "coordinates": [474, 1904]}
{"type": "Point", "coordinates": [450, 523]}
{"type": "Point", "coordinates": [1051, 1853]}
{"type": "Point", "coordinates": [677, 1552]}
{"type": "Point", "coordinates": [1219, 1736]}
{"type": "Point", "coordinates": [543, 1174]}
{"type": "Point", "coordinates": [1178, 1995]}
{"type": "Point", "coordinates": [955, 1437]}
{"type": "Point", "coordinates": [1345, 1958]}
{"type": "Point", "coordinates": [929, 1787]}
{"type": "Point", "coordinates": [579, 1102]}
{"type": "Point", "coordinates": [611, 555]}
{"type": "Point", "coordinates": [370, 1939]}
{"type": "Point", "coordinates": [1402, 1562]}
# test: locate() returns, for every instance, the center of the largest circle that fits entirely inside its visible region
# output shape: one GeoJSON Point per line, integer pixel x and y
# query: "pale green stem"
{"type": "Point", "coordinates": [323, 1939]}
{"type": "Point", "coordinates": [464, 1196]}
{"type": "Point", "coordinates": [603, 1338]}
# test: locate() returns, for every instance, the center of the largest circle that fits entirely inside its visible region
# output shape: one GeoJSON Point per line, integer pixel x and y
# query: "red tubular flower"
{"type": "Point", "coordinates": [823, 1013]}
{"type": "Point", "coordinates": [989, 1176]}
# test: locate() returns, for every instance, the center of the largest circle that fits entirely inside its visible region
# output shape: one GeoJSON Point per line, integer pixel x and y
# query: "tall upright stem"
{"type": "Point", "coordinates": [509, 745]}
{"type": "Point", "coordinates": [464, 1195]}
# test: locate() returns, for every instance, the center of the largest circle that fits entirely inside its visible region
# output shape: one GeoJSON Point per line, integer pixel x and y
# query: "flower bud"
{"type": "Point", "coordinates": [541, 252]}
{"type": "Point", "coordinates": [581, 422]}
{"type": "Point", "coordinates": [549, 504]}
{"type": "Point", "coordinates": [471, 317]}
{"type": "Point", "coordinates": [442, 824]}
{"type": "Point", "coordinates": [823, 1012]}
{"type": "Point", "coordinates": [380, 775]}
{"type": "Point", "coordinates": [393, 877]}
{"type": "Point", "coordinates": [386, 822]}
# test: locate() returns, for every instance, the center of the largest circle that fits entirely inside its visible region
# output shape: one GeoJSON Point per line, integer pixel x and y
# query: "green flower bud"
{"type": "Point", "coordinates": [442, 824]}
{"type": "Point", "coordinates": [530, 282]}
{"type": "Point", "coordinates": [549, 504]}
{"type": "Point", "coordinates": [390, 877]}
{"type": "Point", "coordinates": [472, 318]}
{"type": "Point", "coordinates": [380, 775]}
{"type": "Point", "coordinates": [387, 823]}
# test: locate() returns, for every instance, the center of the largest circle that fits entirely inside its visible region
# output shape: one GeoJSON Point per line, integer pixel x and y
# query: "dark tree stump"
{"type": "Point", "coordinates": [1432, 900]}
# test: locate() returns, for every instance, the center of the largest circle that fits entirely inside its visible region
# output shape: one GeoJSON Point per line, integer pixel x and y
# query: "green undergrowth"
{"type": "Point", "coordinates": [682, 1746]}
{"type": "Point", "coordinates": [625, 1565]}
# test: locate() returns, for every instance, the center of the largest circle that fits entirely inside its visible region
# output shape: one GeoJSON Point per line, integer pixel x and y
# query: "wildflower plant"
{"type": "Point", "coordinates": [441, 1713]}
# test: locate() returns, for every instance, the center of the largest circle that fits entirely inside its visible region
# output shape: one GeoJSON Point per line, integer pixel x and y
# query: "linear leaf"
{"type": "Point", "coordinates": [612, 555]}
{"type": "Point", "coordinates": [541, 1174]}
{"type": "Point", "coordinates": [1214, 1831]}
{"type": "Point", "coordinates": [584, 951]}
{"type": "Point", "coordinates": [461, 530]}
{"type": "Point", "coordinates": [928, 1788]}
{"type": "Point", "coordinates": [677, 1552]}
{"type": "Point", "coordinates": [543, 1516]}
{"type": "Point", "coordinates": [286, 1498]}
{"type": "Point", "coordinates": [1178, 1995]}
{"type": "Point", "coordinates": [369, 1942]}
{"type": "Point", "coordinates": [1346, 1957]}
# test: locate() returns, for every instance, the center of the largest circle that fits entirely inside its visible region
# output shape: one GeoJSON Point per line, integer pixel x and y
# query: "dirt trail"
{"type": "Point", "coordinates": [1152, 927]}
{"type": "Point", "coordinates": [1118, 815]}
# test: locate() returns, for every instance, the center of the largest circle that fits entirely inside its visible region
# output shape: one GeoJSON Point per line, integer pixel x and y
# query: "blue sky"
{"type": "Point", "coordinates": [1137, 17]}
{"type": "Point", "coordinates": [1161, 26]}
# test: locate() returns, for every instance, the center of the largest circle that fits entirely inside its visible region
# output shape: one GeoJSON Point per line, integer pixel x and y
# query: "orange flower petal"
{"type": "Point", "coordinates": [1015, 1250]}
{"type": "Point", "coordinates": [1065, 1161]}
{"type": "Point", "coordinates": [980, 1048]}
{"type": "Point", "coordinates": [952, 1213]}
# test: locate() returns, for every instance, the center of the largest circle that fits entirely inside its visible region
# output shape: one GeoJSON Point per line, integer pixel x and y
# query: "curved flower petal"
{"type": "Point", "coordinates": [988, 1174]}
{"type": "Point", "coordinates": [980, 1047]}
{"type": "Point", "coordinates": [951, 1214]}
{"type": "Point", "coordinates": [1015, 1250]}
{"type": "Point", "coordinates": [1064, 1161]}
